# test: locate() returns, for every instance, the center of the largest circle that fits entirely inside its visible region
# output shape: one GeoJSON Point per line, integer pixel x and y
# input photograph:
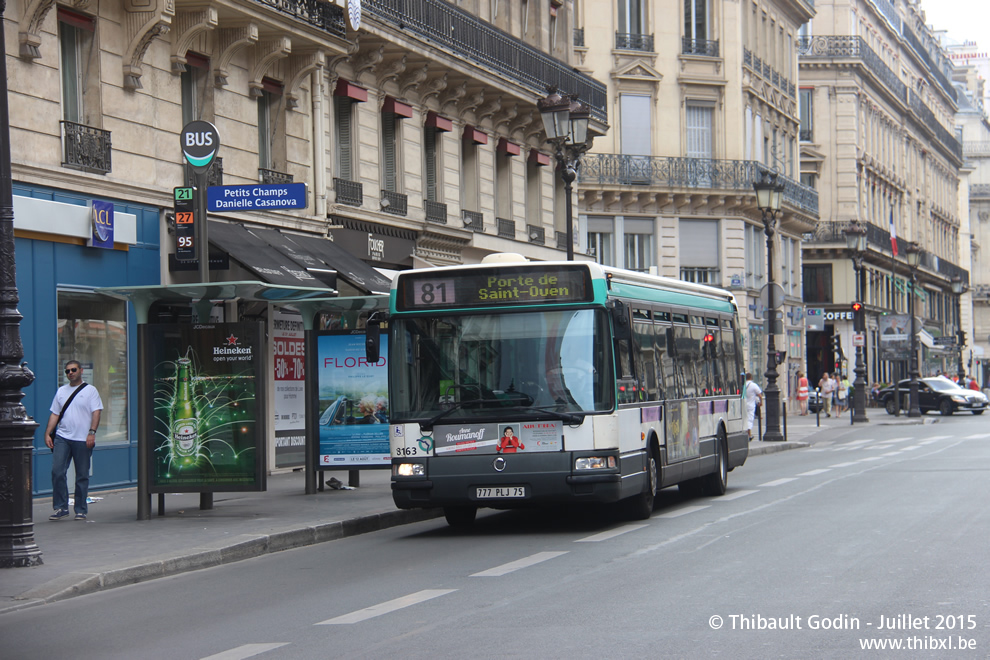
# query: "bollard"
{"type": "Point", "coordinates": [818, 413]}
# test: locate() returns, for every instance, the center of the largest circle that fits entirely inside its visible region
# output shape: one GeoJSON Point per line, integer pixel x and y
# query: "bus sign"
{"type": "Point", "coordinates": [494, 286]}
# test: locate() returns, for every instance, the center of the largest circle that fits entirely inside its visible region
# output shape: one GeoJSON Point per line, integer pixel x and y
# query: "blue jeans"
{"type": "Point", "coordinates": [79, 454]}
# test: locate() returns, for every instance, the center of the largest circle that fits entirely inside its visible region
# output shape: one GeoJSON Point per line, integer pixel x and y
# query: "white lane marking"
{"type": "Point", "coordinates": [855, 443]}
{"type": "Point", "coordinates": [842, 465]}
{"type": "Point", "coordinates": [733, 496]}
{"type": "Point", "coordinates": [778, 482]}
{"type": "Point", "coordinates": [525, 562]}
{"type": "Point", "coordinates": [610, 534]}
{"type": "Point", "coordinates": [386, 607]}
{"type": "Point", "coordinates": [683, 511]}
{"type": "Point", "coordinates": [893, 440]}
{"type": "Point", "coordinates": [911, 448]}
{"type": "Point", "coordinates": [939, 437]}
{"type": "Point", "coordinates": [869, 458]}
{"type": "Point", "coordinates": [811, 473]}
{"type": "Point", "coordinates": [928, 441]}
{"type": "Point", "coordinates": [978, 436]}
{"type": "Point", "coordinates": [892, 453]}
{"type": "Point", "coordinates": [245, 651]}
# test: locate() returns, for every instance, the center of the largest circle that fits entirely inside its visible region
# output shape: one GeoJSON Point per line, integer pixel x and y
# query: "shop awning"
{"type": "Point", "coordinates": [297, 252]}
{"type": "Point", "coordinates": [259, 257]}
{"type": "Point", "coordinates": [349, 268]}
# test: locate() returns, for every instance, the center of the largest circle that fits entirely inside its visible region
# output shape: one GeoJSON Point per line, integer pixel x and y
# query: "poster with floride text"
{"type": "Point", "coordinates": [207, 398]}
{"type": "Point", "coordinates": [352, 402]}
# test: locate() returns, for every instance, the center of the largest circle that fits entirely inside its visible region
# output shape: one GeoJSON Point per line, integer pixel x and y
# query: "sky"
{"type": "Point", "coordinates": [963, 19]}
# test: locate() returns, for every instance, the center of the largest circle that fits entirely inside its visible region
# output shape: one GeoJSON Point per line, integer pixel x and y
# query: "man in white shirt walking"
{"type": "Point", "coordinates": [72, 439]}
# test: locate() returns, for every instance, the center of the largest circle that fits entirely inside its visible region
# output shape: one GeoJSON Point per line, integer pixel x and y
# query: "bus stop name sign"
{"type": "Point", "coordinates": [257, 197]}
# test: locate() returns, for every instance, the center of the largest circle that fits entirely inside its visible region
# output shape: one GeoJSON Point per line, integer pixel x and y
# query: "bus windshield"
{"type": "Point", "coordinates": [484, 366]}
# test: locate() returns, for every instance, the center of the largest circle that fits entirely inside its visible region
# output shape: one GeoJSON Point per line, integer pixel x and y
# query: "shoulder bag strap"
{"type": "Point", "coordinates": [67, 402]}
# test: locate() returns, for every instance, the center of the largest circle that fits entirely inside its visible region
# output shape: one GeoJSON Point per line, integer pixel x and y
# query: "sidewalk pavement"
{"type": "Point", "coordinates": [112, 548]}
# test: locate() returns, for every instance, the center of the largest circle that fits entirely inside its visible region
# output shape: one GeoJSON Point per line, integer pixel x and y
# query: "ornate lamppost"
{"type": "Point", "coordinates": [17, 546]}
{"type": "Point", "coordinates": [913, 254]}
{"type": "Point", "coordinates": [565, 120]}
{"type": "Point", "coordinates": [769, 195]}
{"type": "Point", "coordinates": [959, 288]}
{"type": "Point", "coordinates": [856, 242]}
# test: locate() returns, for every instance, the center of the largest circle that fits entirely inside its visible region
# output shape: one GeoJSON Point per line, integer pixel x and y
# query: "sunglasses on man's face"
{"type": "Point", "coordinates": [70, 371]}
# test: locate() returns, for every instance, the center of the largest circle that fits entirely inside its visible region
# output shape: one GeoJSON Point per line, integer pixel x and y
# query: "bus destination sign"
{"type": "Point", "coordinates": [494, 287]}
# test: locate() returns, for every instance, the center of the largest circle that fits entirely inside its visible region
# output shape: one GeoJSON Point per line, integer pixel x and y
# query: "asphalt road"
{"type": "Point", "coordinates": [812, 553]}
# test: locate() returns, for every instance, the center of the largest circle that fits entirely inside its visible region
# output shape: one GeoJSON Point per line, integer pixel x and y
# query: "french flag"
{"type": "Point", "coordinates": [893, 232]}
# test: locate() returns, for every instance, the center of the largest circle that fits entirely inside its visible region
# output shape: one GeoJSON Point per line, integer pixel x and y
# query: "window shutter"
{"type": "Point", "coordinates": [430, 151]}
{"type": "Point", "coordinates": [636, 124]}
{"type": "Point", "coordinates": [388, 150]}
{"type": "Point", "coordinates": [698, 243]}
{"type": "Point", "coordinates": [699, 131]}
{"type": "Point", "coordinates": [343, 113]}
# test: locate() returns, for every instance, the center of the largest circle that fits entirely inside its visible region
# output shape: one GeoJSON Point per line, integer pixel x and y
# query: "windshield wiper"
{"type": "Point", "coordinates": [427, 426]}
{"type": "Point", "coordinates": [571, 419]}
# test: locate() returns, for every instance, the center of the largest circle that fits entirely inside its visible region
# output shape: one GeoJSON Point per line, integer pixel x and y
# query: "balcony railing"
{"type": "Point", "coordinates": [473, 220]}
{"type": "Point", "coordinates": [273, 177]}
{"type": "Point", "coordinates": [928, 119]}
{"type": "Point", "coordinates": [561, 237]}
{"type": "Point", "coordinates": [348, 192]}
{"type": "Point", "coordinates": [979, 191]}
{"type": "Point", "coordinates": [923, 53]}
{"type": "Point", "coordinates": [834, 232]}
{"type": "Point", "coordinates": [395, 203]}
{"type": "Point", "coordinates": [829, 47]}
{"type": "Point", "coordinates": [701, 275]}
{"type": "Point", "coordinates": [536, 234]}
{"type": "Point", "coordinates": [700, 173]}
{"type": "Point", "coordinates": [633, 41]}
{"type": "Point", "coordinates": [505, 228]}
{"type": "Point", "coordinates": [481, 43]}
{"type": "Point", "coordinates": [579, 37]}
{"type": "Point", "coordinates": [764, 70]}
{"type": "Point", "coordinates": [324, 15]}
{"type": "Point", "coordinates": [699, 47]}
{"type": "Point", "coordinates": [85, 148]}
{"type": "Point", "coordinates": [435, 212]}
{"type": "Point", "coordinates": [976, 149]}
{"type": "Point", "coordinates": [214, 175]}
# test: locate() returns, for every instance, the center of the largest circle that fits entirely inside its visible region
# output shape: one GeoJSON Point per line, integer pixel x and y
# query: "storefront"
{"type": "Point", "coordinates": [58, 267]}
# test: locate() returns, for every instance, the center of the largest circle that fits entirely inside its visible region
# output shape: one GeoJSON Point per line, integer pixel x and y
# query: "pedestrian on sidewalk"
{"type": "Point", "coordinates": [71, 435]}
{"type": "Point", "coordinates": [827, 387]}
{"type": "Point", "coordinates": [754, 397]}
{"type": "Point", "coordinates": [802, 393]}
{"type": "Point", "coordinates": [842, 393]}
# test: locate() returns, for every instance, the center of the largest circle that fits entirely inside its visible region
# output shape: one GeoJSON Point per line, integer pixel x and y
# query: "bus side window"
{"type": "Point", "coordinates": [686, 361]}
{"type": "Point", "coordinates": [644, 355]}
{"type": "Point", "coordinates": [662, 361]}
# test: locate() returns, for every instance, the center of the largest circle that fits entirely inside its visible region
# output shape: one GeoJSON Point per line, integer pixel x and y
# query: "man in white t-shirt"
{"type": "Point", "coordinates": [73, 440]}
{"type": "Point", "coordinates": [754, 396]}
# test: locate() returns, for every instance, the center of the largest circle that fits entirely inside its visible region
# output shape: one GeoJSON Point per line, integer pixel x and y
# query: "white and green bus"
{"type": "Point", "coordinates": [515, 383]}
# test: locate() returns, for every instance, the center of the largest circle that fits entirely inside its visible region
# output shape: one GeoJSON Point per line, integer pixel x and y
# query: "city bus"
{"type": "Point", "coordinates": [515, 383]}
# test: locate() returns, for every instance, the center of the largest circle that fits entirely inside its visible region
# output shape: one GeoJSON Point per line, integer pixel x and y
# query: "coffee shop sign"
{"type": "Point", "coordinates": [839, 316]}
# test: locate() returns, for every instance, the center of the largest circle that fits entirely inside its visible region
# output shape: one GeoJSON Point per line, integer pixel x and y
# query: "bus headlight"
{"type": "Point", "coordinates": [594, 463]}
{"type": "Point", "coordinates": [409, 470]}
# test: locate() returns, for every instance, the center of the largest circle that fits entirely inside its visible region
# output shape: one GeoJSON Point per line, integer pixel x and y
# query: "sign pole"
{"type": "Point", "coordinates": [202, 233]}
{"type": "Point", "coordinates": [200, 142]}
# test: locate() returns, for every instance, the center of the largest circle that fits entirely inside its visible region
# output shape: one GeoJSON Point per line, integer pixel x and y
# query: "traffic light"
{"type": "Point", "coordinates": [857, 306]}
{"type": "Point", "coordinates": [837, 346]}
{"type": "Point", "coordinates": [961, 338]}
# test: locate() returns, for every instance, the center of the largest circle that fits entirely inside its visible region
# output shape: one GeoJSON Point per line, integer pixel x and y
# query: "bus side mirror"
{"type": "Point", "coordinates": [620, 320]}
{"type": "Point", "coordinates": [373, 338]}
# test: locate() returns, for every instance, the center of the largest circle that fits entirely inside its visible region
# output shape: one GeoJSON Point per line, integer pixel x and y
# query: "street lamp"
{"type": "Point", "coordinates": [959, 288]}
{"type": "Point", "coordinates": [913, 254]}
{"type": "Point", "coordinates": [17, 546]}
{"type": "Point", "coordinates": [565, 121]}
{"type": "Point", "coordinates": [769, 194]}
{"type": "Point", "coordinates": [856, 242]}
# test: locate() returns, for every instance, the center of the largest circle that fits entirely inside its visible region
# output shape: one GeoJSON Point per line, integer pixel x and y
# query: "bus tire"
{"type": "Point", "coordinates": [640, 507]}
{"type": "Point", "coordinates": [715, 483]}
{"type": "Point", "coordinates": [460, 516]}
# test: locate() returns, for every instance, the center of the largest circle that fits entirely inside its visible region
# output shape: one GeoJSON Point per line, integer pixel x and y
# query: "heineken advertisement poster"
{"type": "Point", "coordinates": [207, 390]}
{"type": "Point", "coordinates": [352, 402]}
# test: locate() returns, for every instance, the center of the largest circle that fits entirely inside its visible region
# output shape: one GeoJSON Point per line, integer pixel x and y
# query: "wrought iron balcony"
{"type": "Point", "coordinates": [579, 37]}
{"type": "Point", "coordinates": [473, 220]}
{"type": "Point", "coordinates": [923, 53]}
{"type": "Point", "coordinates": [348, 192]}
{"type": "Point", "coordinates": [764, 70]}
{"type": "Point", "coordinates": [505, 228]}
{"type": "Point", "coordinates": [700, 173]}
{"type": "Point", "coordinates": [536, 234]}
{"type": "Point", "coordinates": [837, 47]}
{"type": "Point", "coordinates": [435, 212]}
{"type": "Point", "coordinates": [214, 175]}
{"type": "Point", "coordinates": [561, 237]}
{"type": "Point", "coordinates": [479, 42]}
{"type": "Point", "coordinates": [318, 13]}
{"type": "Point", "coordinates": [633, 41]}
{"type": "Point", "coordinates": [394, 202]}
{"type": "Point", "coordinates": [85, 148]}
{"type": "Point", "coordinates": [928, 119]}
{"type": "Point", "coordinates": [699, 47]}
{"type": "Point", "coordinates": [273, 177]}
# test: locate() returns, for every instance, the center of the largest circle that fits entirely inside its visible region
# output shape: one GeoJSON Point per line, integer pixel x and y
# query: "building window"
{"type": "Point", "coordinates": [431, 151]}
{"type": "Point", "coordinates": [698, 250]}
{"type": "Point", "coordinates": [76, 35]}
{"type": "Point", "coordinates": [817, 283]}
{"type": "Point", "coordinates": [635, 124]}
{"type": "Point", "coordinates": [93, 330]}
{"type": "Point", "coordinates": [390, 129]}
{"type": "Point", "coordinates": [809, 179]}
{"type": "Point", "coordinates": [343, 117]}
{"type": "Point", "coordinates": [637, 240]}
{"type": "Point", "coordinates": [194, 82]}
{"type": "Point", "coordinates": [805, 110]}
{"type": "Point", "coordinates": [269, 112]}
{"type": "Point", "coordinates": [534, 193]}
{"type": "Point", "coordinates": [755, 257]}
{"type": "Point", "coordinates": [698, 121]}
{"type": "Point", "coordinates": [631, 17]}
{"type": "Point", "coordinates": [470, 170]}
{"type": "Point", "coordinates": [503, 185]}
{"type": "Point", "coordinates": [696, 25]}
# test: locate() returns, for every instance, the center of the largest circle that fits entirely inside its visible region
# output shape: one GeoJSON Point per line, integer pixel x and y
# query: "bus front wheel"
{"type": "Point", "coordinates": [640, 507]}
{"type": "Point", "coordinates": [460, 516]}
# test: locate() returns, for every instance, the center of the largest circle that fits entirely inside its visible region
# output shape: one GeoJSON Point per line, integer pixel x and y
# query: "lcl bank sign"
{"type": "Point", "coordinates": [102, 236]}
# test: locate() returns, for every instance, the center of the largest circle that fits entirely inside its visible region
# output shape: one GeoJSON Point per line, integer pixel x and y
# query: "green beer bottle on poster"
{"type": "Point", "coordinates": [185, 421]}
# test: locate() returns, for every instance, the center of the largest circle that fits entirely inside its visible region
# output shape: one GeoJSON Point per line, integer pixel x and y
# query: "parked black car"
{"type": "Point", "coordinates": [936, 393]}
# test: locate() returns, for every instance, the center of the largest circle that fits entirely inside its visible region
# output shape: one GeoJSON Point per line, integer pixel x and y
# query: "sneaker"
{"type": "Point", "coordinates": [80, 516]}
{"type": "Point", "coordinates": [59, 514]}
